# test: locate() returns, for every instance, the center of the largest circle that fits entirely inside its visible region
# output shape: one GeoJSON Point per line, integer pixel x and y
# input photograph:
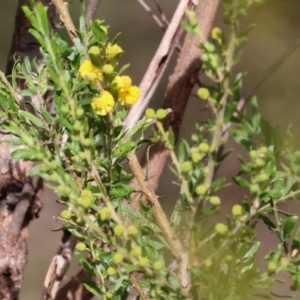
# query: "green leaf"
{"type": "Point", "coordinates": [26, 154]}
{"type": "Point", "coordinates": [84, 262]}
{"type": "Point", "coordinates": [121, 191]}
{"type": "Point", "coordinates": [289, 227]}
{"type": "Point", "coordinates": [241, 181]}
{"type": "Point", "coordinates": [252, 251]}
{"type": "Point", "coordinates": [35, 120]}
{"type": "Point", "coordinates": [92, 287]}
{"type": "Point", "coordinates": [47, 117]}
{"type": "Point", "coordinates": [13, 142]}
{"type": "Point", "coordinates": [124, 150]}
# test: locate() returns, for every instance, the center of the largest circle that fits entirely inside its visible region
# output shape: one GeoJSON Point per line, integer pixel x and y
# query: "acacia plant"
{"type": "Point", "coordinates": [65, 119]}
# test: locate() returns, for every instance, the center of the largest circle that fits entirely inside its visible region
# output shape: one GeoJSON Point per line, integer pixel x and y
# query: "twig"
{"type": "Point", "coordinates": [59, 265]}
{"type": "Point", "coordinates": [275, 66]}
{"type": "Point", "coordinates": [91, 10]}
{"type": "Point", "coordinates": [152, 14]}
{"type": "Point", "coordinates": [157, 65]}
{"type": "Point", "coordinates": [62, 8]}
{"type": "Point", "coordinates": [163, 222]}
{"type": "Point", "coordinates": [162, 15]}
{"type": "Point", "coordinates": [219, 124]}
{"type": "Point", "coordinates": [138, 287]}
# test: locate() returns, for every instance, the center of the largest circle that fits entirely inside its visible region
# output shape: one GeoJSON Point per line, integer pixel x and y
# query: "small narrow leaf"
{"type": "Point", "coordinates": [289, 227]}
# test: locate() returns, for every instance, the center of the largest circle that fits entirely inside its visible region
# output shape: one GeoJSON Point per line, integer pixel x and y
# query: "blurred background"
{"type": "Point", "coordinates": [277, 30]}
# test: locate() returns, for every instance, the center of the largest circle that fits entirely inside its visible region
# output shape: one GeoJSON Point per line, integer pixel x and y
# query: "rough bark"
{"type": "Point", "coordinates": [20, 194]}
{"type": "Point", "coordinates": [179, 88]}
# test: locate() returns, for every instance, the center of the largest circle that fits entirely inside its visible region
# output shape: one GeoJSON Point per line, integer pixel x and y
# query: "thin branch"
{"type": "Point", "coordinates": [274, 67]}
{"type": "Point", "coordinates": [62, 8]}
{"type": "Point", "coordinates": [164, 224]}
{"type": "Point", "coordinates": [158, 64]}
{"type": "Point", "coordinates": [91, 10]}
{"type": "Point", "coordinates": [152, 14]}
{"type": "Point", "coordinates": [59, 265]}
{"type": "Point", "coordinates": [162, 15]}
{"type": "Point", "coordinates": [138, 287]}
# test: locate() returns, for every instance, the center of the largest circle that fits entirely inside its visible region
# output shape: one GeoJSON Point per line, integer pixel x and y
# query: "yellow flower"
{"type": "Point", "coordinates": [103, 104]}
{"type": "Point", "coordinates": [123, 83]}
{"type": "Point", "coordinates": [130, 96]}
{"type": "Point", "coordinates": [89, 72]}
{"type": "Point", "coordinates": [112, 50]}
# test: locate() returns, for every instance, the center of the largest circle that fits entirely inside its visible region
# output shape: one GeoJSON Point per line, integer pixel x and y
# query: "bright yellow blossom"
{"type": "Point", "coordinates": [90, 72]}
{"type": "Point", "coordinates": [103, 104]}
{"type": "Point", "coordinates": [130, 96]}
{"type": "Point", "coordinates": [112, 50]}
{"type": "Point", "coordinates": [123, 83]}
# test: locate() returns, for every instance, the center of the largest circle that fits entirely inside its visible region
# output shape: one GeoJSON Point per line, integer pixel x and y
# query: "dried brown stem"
{"type": "Point", "coordinates": [179, 88]}
{"type": "Point", "coordinates": [62, 8]}
{"type": "Point", "coordinates": [91, 10]}
{"type": "Point", "coordinates": [164, 224]}
{"type": "Point", "coordinates": [158, 64]}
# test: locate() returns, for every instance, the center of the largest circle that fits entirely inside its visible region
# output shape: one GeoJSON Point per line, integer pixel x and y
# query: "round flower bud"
{"type": "Point", "coordinates": [259, 162]}
{"type": "Point", "coordinates": [82, 155]}
{"type": "Point", "coordinates": [221, 228]}
{"type": "Point", "coordinates": [109, 295]}
{"type": "Point", "coordinates": [86, 142]}
{"type": "Point", "coordinates": [208, 263]}
{"type": "Point", "coordinates": [75, 138]}
{"type": "Point", "coordinates": [215, 200]}
{"type": "Point", "coordinates": [150, 113]}
{"type": "Point", "coordinates": [160, 114]}
{"type": "Point", "coordinates": [66, 215]}
{"type": "Point", "coordinates": [85, 202]}
{"type": "Point", "coordinates": [203, 93]}
{"type": "Point", "coordinates": [262, 177]}
{"type": "Point", "coordinates": [254, 188]}
{"type": "Point", "coordinates": [204, 147]}
{"type": "Point", "coordinates": [201, 189]}
{"type": "Point", "coordinates": [107, 69]}
{"type": "Point", "coordinates": [196, 157]}
{"type": "Point", "coordinates": [77, 126]}
{"type": "Point", "coordinates": [104, 213]}
{"type": "Point", "coordinates": [216, 33]}
{"type": "Point", "coordinates": [79, 112]}
{"type": "Point", "coordinates": [53, 177]}
{"type": "Point", "coordinates": [158, 265]}
{"type": "Point", "coordinates": [209, 47]}
{"type": "Point", "coordinates": [64, 109]}
{"type": "Point", "coordinates": [263, 150]}
{"type": "Point", "coordinates": [132, 230]}
{"type": "Point", "coordinates": [237, 210]}
{"type": "Point", "coordinates": [80, 247]}
{"type": "Point", "coordinates": [253, 153]}
{"type": "Point", "coordinates": [285, 261]}
{"type": "Point", "coordinates": [272, 267]}
{"type": "Point", "coordinates": [144, 262]}
{"type": "Point", "coordinates": [119, 230]}
{"type": "Point", "coordinates": [228, 257]}
{"type": "Point", "coordinates": [95, 50]}
{"type": "Point", "coordinates": [205, 57]}
{"type": "Point", "coordinates": [194, 138]}
{"type": "Point", "coordinates": [64, 190]}
{"type": "Point", "coordinates": [53, 165]}
{"type": "Point", "coordinates": [117, 258]}
{"type": "Point", "coordinates": [186, 167]}
{"type": "Point", "coordinates": [111, 271]}
{"type": "Point", "coordinates": [137, 251]}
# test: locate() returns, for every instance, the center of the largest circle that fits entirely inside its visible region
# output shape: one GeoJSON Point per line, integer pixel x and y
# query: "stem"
{"type": "Point", "coordinates": [218, 129]}
{"type": "Point", "coordinates": [175, 161]}
{"type": "Point", "coordinates": [164, 224]}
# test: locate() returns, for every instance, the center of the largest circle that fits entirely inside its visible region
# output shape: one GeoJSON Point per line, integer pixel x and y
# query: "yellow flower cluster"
{"type": "Point", "coordinates": [112, 50]}
{"type": "Point", "coordinates": [103, 104]}
{"type": "Point", "coordinates": [127, 94]}
{"type": "Point", "coordinates": [90, 72]}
